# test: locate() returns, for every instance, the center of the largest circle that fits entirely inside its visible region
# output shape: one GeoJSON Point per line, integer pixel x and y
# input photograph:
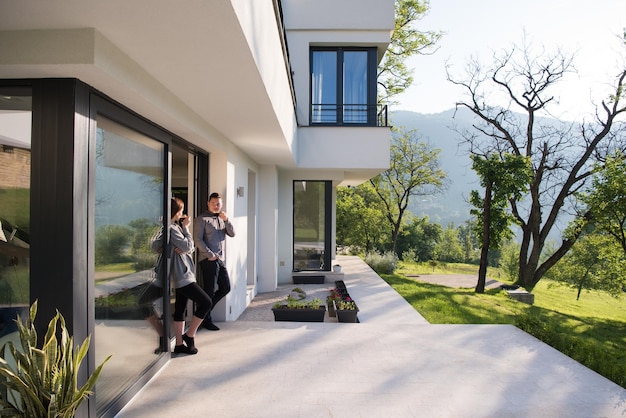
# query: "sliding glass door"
{"type": "Point", "coordinates": [15, 185]}
{"type": "Point", "coordinates": [129, 295]}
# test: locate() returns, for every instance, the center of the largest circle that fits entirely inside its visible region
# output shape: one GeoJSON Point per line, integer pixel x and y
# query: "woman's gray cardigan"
{"type": "Point", "coordinates": [182, 270]}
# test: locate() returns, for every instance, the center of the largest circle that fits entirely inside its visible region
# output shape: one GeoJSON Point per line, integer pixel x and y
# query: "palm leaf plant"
{"type": "Point", "coordinates": [43, 382]}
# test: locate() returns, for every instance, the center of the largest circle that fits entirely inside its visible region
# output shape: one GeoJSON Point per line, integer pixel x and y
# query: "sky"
{"type": "Point", "coordinates": [590, 29]}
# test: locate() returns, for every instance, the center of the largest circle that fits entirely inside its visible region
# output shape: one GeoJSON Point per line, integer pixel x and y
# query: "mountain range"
{"type": "Point", "coordinates": [452, 205]}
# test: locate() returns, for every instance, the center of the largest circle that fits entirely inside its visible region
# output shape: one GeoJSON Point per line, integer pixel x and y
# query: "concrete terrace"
{"type": "Point", "coordinates": [392, 363]}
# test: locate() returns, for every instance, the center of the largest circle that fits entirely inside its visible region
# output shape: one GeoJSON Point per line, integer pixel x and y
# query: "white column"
{"type": "Point", "coordinates": [268, 229]}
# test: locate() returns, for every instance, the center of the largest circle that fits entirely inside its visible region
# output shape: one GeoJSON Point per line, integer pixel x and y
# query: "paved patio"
{"type": "Point", "coordinates": [392, 363]}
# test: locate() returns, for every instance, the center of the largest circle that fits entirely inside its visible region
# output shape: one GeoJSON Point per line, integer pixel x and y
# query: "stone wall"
{"type": "Point", "coordinates": [14, 167]}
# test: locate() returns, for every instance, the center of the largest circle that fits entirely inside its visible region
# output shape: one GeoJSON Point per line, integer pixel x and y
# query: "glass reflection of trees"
{"type": "Point", "coordinates": [309, 225]}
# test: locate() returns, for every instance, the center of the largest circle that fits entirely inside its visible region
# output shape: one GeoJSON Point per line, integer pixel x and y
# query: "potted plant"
{"type": "Point", "coordinates": [346, 310]}
{"type": "Point", "coordinates": [45, 381]}
{"type": "Point", "coordinates": [298, 308]}
{"type": "Point", "coordinates": [333, 295]}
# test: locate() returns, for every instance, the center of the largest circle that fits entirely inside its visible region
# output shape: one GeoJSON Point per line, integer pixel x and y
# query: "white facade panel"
{"type": "Point", "coordinates": [343, 14]}
{"type": "Point", "coordinates": [363, 150]}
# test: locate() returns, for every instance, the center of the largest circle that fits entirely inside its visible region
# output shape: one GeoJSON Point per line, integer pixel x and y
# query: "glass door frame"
{"type": "Point", "coordinates": [101, 106]}
{"type": "Point", "coordinates": [327, 251]}
{"type": "Point", "coordinates": [64, 111]}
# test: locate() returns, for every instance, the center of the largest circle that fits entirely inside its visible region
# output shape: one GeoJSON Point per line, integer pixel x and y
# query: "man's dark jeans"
{"type": "Point", "coordinates": [215, 281]}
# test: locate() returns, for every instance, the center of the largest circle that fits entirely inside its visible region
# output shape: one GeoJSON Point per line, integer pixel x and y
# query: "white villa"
{"type": "Point", "coordinates": [109, 108]}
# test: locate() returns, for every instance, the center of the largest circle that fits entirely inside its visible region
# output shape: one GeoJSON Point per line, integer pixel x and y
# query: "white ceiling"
{"type": "Point", "coordinates": [194, 49]}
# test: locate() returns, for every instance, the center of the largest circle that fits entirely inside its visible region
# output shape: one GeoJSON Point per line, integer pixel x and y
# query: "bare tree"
{"type": "Point", "coordinates": [561, 154]}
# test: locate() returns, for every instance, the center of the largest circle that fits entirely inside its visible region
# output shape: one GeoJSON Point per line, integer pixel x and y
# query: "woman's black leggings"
{"type": "Point", "coordinates": [194, 292]}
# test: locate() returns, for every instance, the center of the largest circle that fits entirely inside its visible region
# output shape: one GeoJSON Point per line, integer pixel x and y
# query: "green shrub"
{"type": "Point", "coordinates": [143, 262]}
{"type": "Point", "coordinates": [410, 255]}
{"type": "Point", "coordinates": [111, 243]}
{"type": "Point", "coordinates": [382, 264]}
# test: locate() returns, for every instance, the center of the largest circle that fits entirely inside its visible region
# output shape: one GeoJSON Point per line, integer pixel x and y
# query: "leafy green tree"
{"type": "Point", "coordinates": [469, 241]}
{"type": "Point", "coordinates": [143, 230]}
{"type": "Point", "coordinates": [414, 170]}
{"type": "Point", "coordinates": [449, 248]}
{"type": "Point", "coordinates": [504, 177]}
{"type": "Point", "coordinates": [358, 219]}
{"type": "Point", "coordinates": [561, 154]}
{"type": "Point", "coordinates": [111, 242]}
{"type": "Point", "coordinates": [509, 259]}
{"type": "Point", "coordinates": [420, 237]}
{"type": "Point", "coordinates": [394, 76]}
{"type": "Point", "coordinates": [595, 262]}
{"type": "Point", "coordinates": [606, 199]}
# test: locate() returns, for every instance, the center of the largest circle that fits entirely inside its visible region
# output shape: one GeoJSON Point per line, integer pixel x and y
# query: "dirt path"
{"type": "Point", "coordinates": [455, 280]}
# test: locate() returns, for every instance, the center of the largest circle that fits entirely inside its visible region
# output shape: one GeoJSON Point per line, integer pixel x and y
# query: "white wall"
{"type": "Point", "coordinates": [339, 14]}
{"type": "Point", "coordinates": [258, 22]}
{"type": "Point", "coordinates": [267, 227]}
{"type": "Point", "coordinates": [228, 171]}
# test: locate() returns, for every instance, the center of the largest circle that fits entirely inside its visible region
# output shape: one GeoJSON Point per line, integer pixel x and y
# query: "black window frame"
{"type": "Point", "coordinates": [327, 251]}
{"type": "Point", "coordinates": [371, 109]}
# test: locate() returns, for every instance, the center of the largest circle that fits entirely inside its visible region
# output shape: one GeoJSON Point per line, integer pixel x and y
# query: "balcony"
{"type": "Point", "coordinates": [349, 114]}
{"type": "Point", "coordinates": [349, 154]}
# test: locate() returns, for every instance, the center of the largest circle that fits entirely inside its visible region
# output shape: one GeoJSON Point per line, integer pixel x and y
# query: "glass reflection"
{"type": "Point", "coordinates": [355, 87]}
{"type": "Point", "coordinates": [324, 87]}
{"type": "Point", "coordinates": [15, 161]}
{"type": "Point", "coordinates": [128, 239]}
{"type": "Point", "coordinates": [309, 225]}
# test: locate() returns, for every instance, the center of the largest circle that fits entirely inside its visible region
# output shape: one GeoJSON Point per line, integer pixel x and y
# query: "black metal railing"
{"type": "Point", "coordinates": [349, 114]}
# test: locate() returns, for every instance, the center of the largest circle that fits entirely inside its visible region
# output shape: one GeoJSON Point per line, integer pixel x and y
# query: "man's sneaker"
{"type": "Point", "coordinates": [210, 326]}
{"type": "Point", "coordinates": [183, 349]}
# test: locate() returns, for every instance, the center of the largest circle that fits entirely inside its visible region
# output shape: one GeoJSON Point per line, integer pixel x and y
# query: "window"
{"type": "Point", "coordinates": [343, 86]}
{"type": "Point", "coordinates": [311, 225]}
{"type": "Point", "coordinates": [15, 186]}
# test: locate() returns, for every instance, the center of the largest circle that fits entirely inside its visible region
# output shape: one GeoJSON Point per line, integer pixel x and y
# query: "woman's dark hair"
{"type": "Point", "coordinates": [176, 205]}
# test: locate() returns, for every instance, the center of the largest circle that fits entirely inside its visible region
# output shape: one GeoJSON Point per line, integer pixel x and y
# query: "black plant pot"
{"type": "Point", "coordinates": [308, 279]}
{"type": "Point", "coordinates": [347, 315]}
{"type": "Point", "coordinates": [299, 314]}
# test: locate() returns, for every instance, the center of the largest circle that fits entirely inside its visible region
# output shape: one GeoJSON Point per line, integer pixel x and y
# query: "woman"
{"type": "Point", "coordinates": [184, 280]}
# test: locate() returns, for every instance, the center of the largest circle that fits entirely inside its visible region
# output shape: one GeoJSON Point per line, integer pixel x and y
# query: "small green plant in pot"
{"type": "Point", "coordinates": [44, 382]}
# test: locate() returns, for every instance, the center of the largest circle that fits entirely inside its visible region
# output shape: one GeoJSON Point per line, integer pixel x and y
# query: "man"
{"type": "Point", "coordinates": [209, 233]}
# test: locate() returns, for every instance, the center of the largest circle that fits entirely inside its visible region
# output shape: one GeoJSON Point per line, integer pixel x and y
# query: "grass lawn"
{"type": "Point", "coordinates": [591, 330]}
{"type": "Point", "coordinates": [113, 271]}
